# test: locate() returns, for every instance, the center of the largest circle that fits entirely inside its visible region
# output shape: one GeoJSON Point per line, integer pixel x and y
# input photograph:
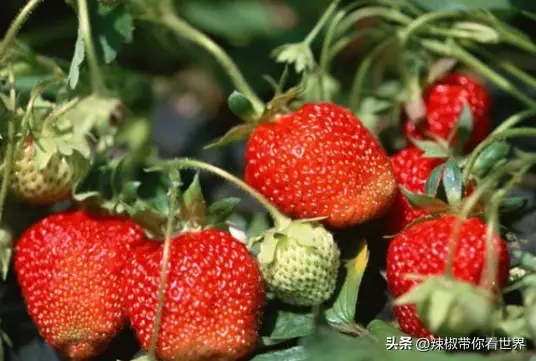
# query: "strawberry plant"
{"type": "Point", "coordinates": [267, 181]}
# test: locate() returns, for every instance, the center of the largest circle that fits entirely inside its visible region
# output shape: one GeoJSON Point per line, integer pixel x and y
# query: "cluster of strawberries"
{"type": "Point", "coordinates": [85, 276]}
{"type": "Point", "coordinates": [422, 248]}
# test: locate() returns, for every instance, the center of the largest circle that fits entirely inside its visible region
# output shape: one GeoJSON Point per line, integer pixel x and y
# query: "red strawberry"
{"type": "Point", "coordinates": [320, 161]}
{"type": "Point", "coordinates": [69, 268]}
{"type": "Point", "coordinates": [213, 299]}
{"type": "Point", "coordinates": [423, 248]}
{"type": "Point", "coordinates": [411, 172]}
{"type": "Point", "coordinates": [444, 100]}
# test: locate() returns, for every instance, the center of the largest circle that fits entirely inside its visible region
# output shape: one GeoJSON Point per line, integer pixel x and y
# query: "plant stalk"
{"type": "Point", "coordinates": [182, 28]}
{"type": "Point", "coordinates": [10, 148]}
{"type": "Point", "coordinates": [97, 81]}
{"type": "Point", "coordinates": [16, 25]}
{"type": "Point", "coordinates": [172, 199]}
{"type": "Point", "coordinates": [320, 24]}
{"type": "Point", "coordinates": [495, 137]}
{"type": "Point", "coordinates": [278, 217]}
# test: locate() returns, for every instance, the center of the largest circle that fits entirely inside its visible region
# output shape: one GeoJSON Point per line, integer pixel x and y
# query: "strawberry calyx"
{"type": "Point", "coordinates": [243, 108]}
{"type": "Point", "coordinates": [147, 200]}
{"type": "Point", "coordinates": [450, 307]}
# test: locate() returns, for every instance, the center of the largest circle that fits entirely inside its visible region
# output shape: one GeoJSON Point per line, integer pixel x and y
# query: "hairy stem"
{"type": "Point", "coordinates": [97, 81]}
{"type": "Point", "coordinates": [422, 20]}
{"type": "Point", "coordinates": [51, 119]}
{"type": "Point", "coordinates": [320, 24]}
{"type": "Point", "coordinates": [470, 202]}
{"type": "Point", "coordinates": [278, 217]}
{"type": "Point", "coordinates": [182, 28]}
{"type": "Point", "coordinates": [357, 86]}
{"type": "Point", "coordinates": [10, 148]}
{"type": "Point", "coordinates": [495, 137]}
{"type": "Point", "coordinates": [506, 66]}
{"type": "Point", "coordinates": [172, 199]}
{"type": "Point", "coordinates": [16, 25]}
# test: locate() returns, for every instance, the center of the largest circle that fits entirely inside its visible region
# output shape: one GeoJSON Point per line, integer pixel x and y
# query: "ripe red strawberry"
{"type": "Point", "coordinates": [213, 300]}
{"type": "Point", "coordinates": [321, 161]}
{"type": "Point", "coordinates": [69, 268]}
{"type": "Point", "coordinates": [444, 100]}
{"type": "Point", "coordinates": [411, 171]}
{"type": "Point", "coordinates": [423, 248]}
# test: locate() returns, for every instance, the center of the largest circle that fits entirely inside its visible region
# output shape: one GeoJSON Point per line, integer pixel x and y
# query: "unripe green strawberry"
{"type": "Point", "coordinates": [299, 262]}
{"type": "Point", "coordinates": [53, 183]}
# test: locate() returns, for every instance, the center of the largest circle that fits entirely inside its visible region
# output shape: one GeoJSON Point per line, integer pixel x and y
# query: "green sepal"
{"type": "Point", "coordinates": [419, 201]}
{"type": "Point", "coordinates": [6, 249]}
{"type": "Point", "coordinates": [433, 181]}
{"type": "Point", "coordinates": [431, 149]}
{"type": "Point", "coordinates": [221, 210]}
{"type": "Point", "coordinates": [193, 207]}
{"type": "Point", "coordinates": [238, 133]}
{"type": "Point", "coordinates": [241, 106]}
{"type": "Point", "coordinates": [490, 157]}
{"type": "Point", "coordinates": [453, 182]}
{"type": "Point", "coordinates": [463, 129]}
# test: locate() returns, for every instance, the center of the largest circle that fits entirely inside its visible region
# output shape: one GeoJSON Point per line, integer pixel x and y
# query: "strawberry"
{"type": "Point", "coordinates": [213, 299]}
{"type": "Point", "coordinates": [320, 161]}
{"type": "Point", "coordinates": [299, 262]}
{"type": "Point", "coordinates": [411, 171]}
{"type": "Point", "coordinates": [69, 268]}
{"type": "Point", "coordinates": [444, 100]}
{"type": "Point", "coordinates": [53, 183]}
{"type": "Point", "coordinates": [422, 249]}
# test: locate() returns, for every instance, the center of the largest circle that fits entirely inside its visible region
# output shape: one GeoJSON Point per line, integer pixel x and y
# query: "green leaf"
{"type": "Point", "coordinates": [241, 106]}
{"type": "Point", "coordinates": [433, 180]}
{"type": "Point", "coordinates": [489, 157]}
{"type": "Point", "coordinates": [431, 149]}
{"type": "Point", "coordinates": [298, 54]}
{"type": "Point", "coordinates": [296, 353]}
{"type": "Point", "coordinates": [463, 128]}
{"type": "Point", "coordinates": [382, 330]}
{"type": "Point", "coordinates": [238, 21]}
{"type": "Point", "coordinates": [513, 204]}
{"type": "Point", "coordinates": [453, 182]}
{"type": "Point", "coordinates": [237, 133]}
{"type": "Point", "coordinates": [77, 60]}
{"type": "Point", "coordinates": [112, 26]}
{"type": "Point", "coordinates": [194, 203]}
{"type": "Point", "coordinates": [343, 310]}
{"type": "Point", "coordinates": [219, 211]}
{"type": "Point", "coordinates": [433, 205]}
{"type": "Point", "coordinates": [289, 325]}
{"type": "Point", "coordinates": [93, 113]}
{"type": "Point", "coordinates": [258, 224]}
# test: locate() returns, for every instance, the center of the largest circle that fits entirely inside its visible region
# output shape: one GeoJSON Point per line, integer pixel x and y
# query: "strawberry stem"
{"type": "Point", "coordinates": [320, 24]}
{"type": "Point", "coordinates": [278, 217]}
{"type": "Point", "coordinates": [172, 200]}
{"type": "Point", "coordinates": [495, 137]}
{"type": "Point", "coordinates": [16, 25]}
{"type": "Point", "coordinates": [489, 183]}
{"type": "Point", "coordinates": [97, 81]}
{"type": "Point", "coordinates": [165, 15]}
{"type": "Point", "coordinates": [10, 149]}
